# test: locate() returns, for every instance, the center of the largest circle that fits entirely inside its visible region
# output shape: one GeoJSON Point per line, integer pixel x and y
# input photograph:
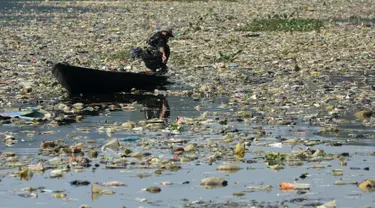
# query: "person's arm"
{"type": "Point", "coordinates": [164, 57]}
{"type": "Point", "coordinates": [161, 45]}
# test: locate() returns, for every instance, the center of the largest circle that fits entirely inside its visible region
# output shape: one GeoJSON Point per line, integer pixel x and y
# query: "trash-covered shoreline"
{"type": "Point", "coordinates": [295, 127]}
{"type": "Point", "coordinates": [297, 69]}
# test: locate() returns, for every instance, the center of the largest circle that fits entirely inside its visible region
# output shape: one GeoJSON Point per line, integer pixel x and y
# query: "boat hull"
{"type": "Point", "coordinates": [85, 80]}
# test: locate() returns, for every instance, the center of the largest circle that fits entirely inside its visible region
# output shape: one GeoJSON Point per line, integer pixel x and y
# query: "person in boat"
{"type": "Point", "coordinates": [157, 53]}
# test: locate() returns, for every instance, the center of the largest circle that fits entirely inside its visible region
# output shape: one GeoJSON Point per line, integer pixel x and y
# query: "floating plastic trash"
{"type": "Point", "coordinates": [130, 139]}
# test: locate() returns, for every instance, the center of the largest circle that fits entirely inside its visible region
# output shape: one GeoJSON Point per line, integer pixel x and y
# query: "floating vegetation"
{"type": "Point", "coordinates": [283, 23]}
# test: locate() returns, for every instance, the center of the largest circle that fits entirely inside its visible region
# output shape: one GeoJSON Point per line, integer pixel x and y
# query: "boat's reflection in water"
{"type": "Point", "coordinates": [153, 106]}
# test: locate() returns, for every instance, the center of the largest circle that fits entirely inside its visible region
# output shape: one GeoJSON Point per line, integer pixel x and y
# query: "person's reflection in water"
{"type": "Point", "coordinates": [156, 108]}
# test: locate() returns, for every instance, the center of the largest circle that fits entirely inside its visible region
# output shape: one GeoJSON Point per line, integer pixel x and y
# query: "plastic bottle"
{"type": "Point", "coordinates": [298, 186]}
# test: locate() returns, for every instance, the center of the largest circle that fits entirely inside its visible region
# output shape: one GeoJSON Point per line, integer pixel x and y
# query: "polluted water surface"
{"type": "Point", "coordinates": [258, 116]}
{"type": "Point", "coordinates": [132, 164]}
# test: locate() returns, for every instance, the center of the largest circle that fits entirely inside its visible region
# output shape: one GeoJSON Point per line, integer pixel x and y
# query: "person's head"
{"type": "Point", "coordinates": [167, 31]}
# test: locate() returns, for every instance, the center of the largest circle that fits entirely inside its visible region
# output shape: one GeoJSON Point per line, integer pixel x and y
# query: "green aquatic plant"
{"type": "Point", "coordinates": [283, 22]}
{"type": "Point", "coordinates": [275, 158]}
{"type": "Point", "coordinates": [176, 127]}
{"type": "Point", "coordinates": [229, 57]}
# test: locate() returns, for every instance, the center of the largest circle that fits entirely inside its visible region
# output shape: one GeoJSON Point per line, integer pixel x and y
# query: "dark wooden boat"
{"type": "Point", "coordinates": [85, 80]}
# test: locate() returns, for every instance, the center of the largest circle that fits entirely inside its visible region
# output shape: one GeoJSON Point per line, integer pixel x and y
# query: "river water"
{"type": "Point", "coordinates": [180, 192]}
